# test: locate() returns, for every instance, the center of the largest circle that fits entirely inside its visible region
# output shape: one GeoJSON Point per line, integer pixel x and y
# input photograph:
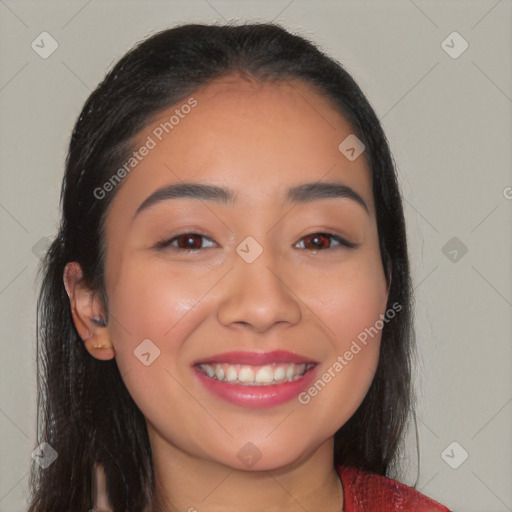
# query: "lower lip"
{"type": "Point", "coordinates": [257, 397]}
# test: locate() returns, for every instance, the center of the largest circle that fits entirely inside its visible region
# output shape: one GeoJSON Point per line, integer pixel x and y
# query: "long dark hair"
{"type": "Point", "coordinates": [84, 409]}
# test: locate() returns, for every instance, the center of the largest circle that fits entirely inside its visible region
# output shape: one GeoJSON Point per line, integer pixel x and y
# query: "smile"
{"type": "Point", "coordinates": [256, 379]}
{"type": "Point", "coordinates": [251, 375]}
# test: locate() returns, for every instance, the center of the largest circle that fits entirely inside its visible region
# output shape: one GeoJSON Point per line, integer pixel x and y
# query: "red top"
{"type": "Point", "coordinates": [366, 492]}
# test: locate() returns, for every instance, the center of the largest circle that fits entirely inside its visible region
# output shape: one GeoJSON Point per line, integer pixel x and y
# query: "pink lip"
{"type": "Point", "coordinates": [256, 358]}
{"type": "Point", "coordinates": [257, 397]}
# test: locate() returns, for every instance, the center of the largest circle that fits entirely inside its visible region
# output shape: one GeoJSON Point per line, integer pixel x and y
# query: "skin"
{"type": "Point", "coordinates": [258, 139]}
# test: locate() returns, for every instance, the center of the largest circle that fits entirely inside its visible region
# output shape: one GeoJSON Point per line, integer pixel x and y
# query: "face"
{"type": "Point", "coordinates": [227, 327]}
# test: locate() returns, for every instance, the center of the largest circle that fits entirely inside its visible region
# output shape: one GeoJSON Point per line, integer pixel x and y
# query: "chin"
{"type": "Point", "coordinates": [252, 456]}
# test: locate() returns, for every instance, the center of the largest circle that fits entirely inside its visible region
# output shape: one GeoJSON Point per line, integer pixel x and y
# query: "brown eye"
{"type": "Point", "coordinates": [317, 241]}
{"type": "Point", "coordinates": [184, 242]}
{"type": "Point", "coordinates": [189, 241]}
{"type": "Point", "coordinates": [322, 241]}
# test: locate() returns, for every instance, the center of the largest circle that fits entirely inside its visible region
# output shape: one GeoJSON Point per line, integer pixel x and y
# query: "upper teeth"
{"type": "Point", "coordinates": [255, 375]}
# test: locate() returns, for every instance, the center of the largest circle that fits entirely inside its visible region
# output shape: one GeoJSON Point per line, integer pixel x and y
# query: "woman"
{"type": "Point", "coordinates": [225, 314]}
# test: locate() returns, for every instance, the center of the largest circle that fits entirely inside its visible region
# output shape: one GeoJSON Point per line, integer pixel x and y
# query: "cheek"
{"type": "Point", "coordinates": [152, 309]}
{"type": "Point", "coordinates": [349, 300]}
{"type": "Point", "coordinates": [350, 304]}
{"type": "Point", "coordinates": [155, 308]}
{"type": "Point", "coordinates": [151, 298]}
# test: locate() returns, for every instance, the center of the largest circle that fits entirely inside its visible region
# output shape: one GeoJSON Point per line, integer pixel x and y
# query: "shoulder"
{"type": "Point", "coordinates": [366, 492]}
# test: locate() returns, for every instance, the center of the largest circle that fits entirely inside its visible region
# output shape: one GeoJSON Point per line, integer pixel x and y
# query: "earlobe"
{"type": "Point", "coordinates": [88, 315]}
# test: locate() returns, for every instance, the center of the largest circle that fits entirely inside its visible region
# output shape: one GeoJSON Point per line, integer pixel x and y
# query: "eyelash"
{"type": "Point", "coordinates": [166, 243]}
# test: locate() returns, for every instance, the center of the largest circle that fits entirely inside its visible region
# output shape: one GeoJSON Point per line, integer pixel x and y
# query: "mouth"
{"type": "Point", "coordinates": [255, 375]}
{"type": "Point", "coordinates": [256, 379]}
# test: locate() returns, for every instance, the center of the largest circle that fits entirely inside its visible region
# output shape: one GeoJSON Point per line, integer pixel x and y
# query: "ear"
{"type": "Point", "coordinates": [88, 314]}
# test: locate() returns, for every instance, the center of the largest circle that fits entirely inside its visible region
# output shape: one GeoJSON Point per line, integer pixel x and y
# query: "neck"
{"type": "Point", "coordinates": [187, 483]}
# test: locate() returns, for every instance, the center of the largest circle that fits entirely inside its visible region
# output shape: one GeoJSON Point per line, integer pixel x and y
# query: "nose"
{"type": "Point", "coordinates": [259, 295]}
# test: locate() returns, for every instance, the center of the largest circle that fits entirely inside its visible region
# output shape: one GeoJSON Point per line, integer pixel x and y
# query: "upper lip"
{"type": "Point", "coordinates": [257, 358]}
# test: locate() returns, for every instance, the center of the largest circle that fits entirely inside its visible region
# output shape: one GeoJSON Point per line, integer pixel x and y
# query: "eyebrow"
{"type": "Point", "coordinates": [305, 193]}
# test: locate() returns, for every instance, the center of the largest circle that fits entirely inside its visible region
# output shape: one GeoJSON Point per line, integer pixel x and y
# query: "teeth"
{"type": "Point", "coordinates": [255, 375]}
{"type": "Point", "coordinates": [265, 375]}
{"type": "Point", "coordinates": [232, 374]}
{"type": "Point", "coordinates": [246, 375]}
{"type": "Point", "coordinates": [279, 373]}
{"type": "Point", "coordinates": [219, 372]}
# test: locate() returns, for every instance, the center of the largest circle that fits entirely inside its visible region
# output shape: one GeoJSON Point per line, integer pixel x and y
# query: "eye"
{"type": "Point", "coordinates": [188, 242]}
{"type": "Point", "coordinates": [321, 241]}
{"type": "Point", "coordinates": [191, 242]}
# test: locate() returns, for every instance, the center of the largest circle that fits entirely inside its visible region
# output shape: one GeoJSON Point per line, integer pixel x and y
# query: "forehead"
{"type": "Point", "coordinates": [250, 135]}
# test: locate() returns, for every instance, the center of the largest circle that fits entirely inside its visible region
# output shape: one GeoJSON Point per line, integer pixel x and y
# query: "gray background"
{"type": "Point", "coordinates": [449, 126]}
